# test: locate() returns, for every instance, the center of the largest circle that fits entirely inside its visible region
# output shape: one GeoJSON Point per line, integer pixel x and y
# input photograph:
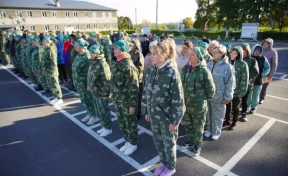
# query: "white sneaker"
{"type": "Point", "coordinates": [124, 147]}
{"type": "Point", "coordinates": [101, 130]}
{"type": "Point", "coordinates": [207, 134]}
{"type": "Point", "coordinates": [106, 132]}
{"type": "Point", "coordinates": [130, 149]}
{"type": "Point", "coordinates": [92, 120]}
{"type": "Point", "coordinates": [86, 118]}
{"type": "Point", "coordinates": [53, 101]}
{"type": "Point", "coordinates": [58, 102]}
{"type": "Point", "coordinates": [215, 137]}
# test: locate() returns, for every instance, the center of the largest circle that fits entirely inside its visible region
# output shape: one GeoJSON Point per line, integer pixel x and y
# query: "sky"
{"type": "Point", "coordinates": [168, 10]}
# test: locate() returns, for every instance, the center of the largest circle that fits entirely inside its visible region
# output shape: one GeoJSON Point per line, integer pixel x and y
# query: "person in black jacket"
{"type": "Point", "coordinates": [145, 45]}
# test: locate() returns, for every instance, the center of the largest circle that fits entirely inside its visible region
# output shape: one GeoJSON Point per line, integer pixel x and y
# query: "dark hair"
{"type": "Point", "coordinates": [188, 43]}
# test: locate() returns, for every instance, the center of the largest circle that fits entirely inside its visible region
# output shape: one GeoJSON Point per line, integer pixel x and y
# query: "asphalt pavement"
{"type": "Point", "coordinates": [37, 139]}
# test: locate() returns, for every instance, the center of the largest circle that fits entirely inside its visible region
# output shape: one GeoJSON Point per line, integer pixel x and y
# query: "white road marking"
{"type": "Point", "coordinates": [277, 97]}
{"type": "Point", "coordinates": [284, 76]}
{"type": "Point", "coordinates": [152, 162]}
{"type": "Point", "coordinates": [62, 95]}
{"type": "Point", "coordinates": [271, 118]}
{"type": "Point", "coordinates": [280, 78]}
{"type": "Point", "coordinates": [117, 142]}
{"type": "Point", "coordinates": [245, 149]}
{"type": "Point", "coordinates": [79, 113]}
{"type": "Point", "coordinates": [71, 102]}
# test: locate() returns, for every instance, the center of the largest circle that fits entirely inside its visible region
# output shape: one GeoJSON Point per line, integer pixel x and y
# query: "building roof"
{"type": "Point", "coordinates": [50, 4]}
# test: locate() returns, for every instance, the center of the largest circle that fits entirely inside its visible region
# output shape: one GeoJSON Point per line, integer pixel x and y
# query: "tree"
{"type": "Point", "coordinates": [124, 23]}
{"type": "Point", "coordinates": [206, 12]}
{"type": "Point", "coordinates": [278, 10]}
{"type": "Point", "coordinates": [188, 23]}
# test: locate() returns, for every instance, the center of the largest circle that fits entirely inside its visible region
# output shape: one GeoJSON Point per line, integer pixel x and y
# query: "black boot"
{"type": "Point", "coordinates": [39, 88]}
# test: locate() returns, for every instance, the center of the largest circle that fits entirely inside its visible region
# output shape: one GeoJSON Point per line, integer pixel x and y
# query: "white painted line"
{"type": "Point", "coordinates": [65, 88]}
{"type": "Point", "coordinates": [71, 102]}
{"type": "Point", "coordinates": [98, 124]}
{"type": "Point", "coordinates": [79, 113]}
{"type": "Point", "coordinates": [152, 162]}
{"type": "Point", "coordinates": [280, 78]}
{"type": "Point", "coordinates": [277, 97]}
{"type": "Point", "coordinates": [284, 76]}
{"type": "Point", "coordinates": [113, 114]}
{"type": "Point", "coordinates": [271, 118]}
{"type": "Point", "coordinates": [128, 159]}
{"type": "Point", "coordinates": [119, 141]}
{"type": "Point", "coordinates": [245, 149]}
{"type": "Point", "coordinates": [62, 95]}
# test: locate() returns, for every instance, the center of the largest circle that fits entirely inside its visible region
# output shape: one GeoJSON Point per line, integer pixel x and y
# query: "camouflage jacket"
{"type": "Point", "coordinates": [18, 49]}
{"type": "Point", "coordinates": [138, 61]}
{"type": "Point", "coordinates": [224, 79]}
{"type": "Point", "coordinates": [80, 70]}
{"type": "Point", "coordinates": [124, 82]}
{"type": "Point", "coordinates": [208, 58]}
{"type": "Point", "coordinates": [107, 52]}
{"type": "Point", "coordinates": [7, 47]}
{"type": "Point", "coordinates": [35, 59]}
{"type": "Point", "coordinates": [2, 41]}
{"type": "Point", "coordinates": [29, 51]}
{"type": "Point", "coordinates": [241, 75]}
{"type": "Point", "coordinates": [49, 62]}
{"type": "Point", "coordinates": [99, 76]}
{"type": "Point", "coordinates": [163, 96]}
{"type": "Point", "coordinates": [23, 53]}
{"type": "Point", "coordinates": [198, 84]}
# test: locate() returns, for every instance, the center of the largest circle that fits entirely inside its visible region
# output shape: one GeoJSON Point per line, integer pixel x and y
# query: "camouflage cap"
{"type": "Point", "coordinates": [122, 45]}
{"type": "Point", "coordinates": [82, 43]}
{"type": "Point", "coordinates": [96, 49]}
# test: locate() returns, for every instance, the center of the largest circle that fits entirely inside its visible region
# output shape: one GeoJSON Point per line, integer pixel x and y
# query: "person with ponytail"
{"type": "Point", "coordinates": [125, 90]}
{"type": "Point", "coordinates": [79, 74]}
{"type": "Point", "coordinates": [50, 70]}
{"type": "Point", "coordinates": [98, 84]}
{"type": "Point", "coordinates": [170, 42]}
{"type": "Point", "coordinates": [163, 106]}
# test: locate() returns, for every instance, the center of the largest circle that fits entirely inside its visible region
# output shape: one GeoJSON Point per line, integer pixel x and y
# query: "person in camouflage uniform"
{"type": "Point", "coordinates": [7, 48]}
{"type": "Point", "coordinates": [253, 73]}
{"type": "Point", "coordinates": [12, 53]}
{"type": "Point", "coordinates": [50, 70]}
{"type": "Point", "coordinates": [98, 84]}
{"type": "Point", "coordinates": [92, 40]}
{"type": "Point", "coordinates": [224, 80]}
{"type": "Point", "coordinates": [163, 105]}
{"type": "Point", "coordinates": [37, 65]}
{"type": "Point", "coordinates": [28, 60]}
{"type": "Point", "coordinates": [198, 88]}
{"type": "Point", "coordinates": [3, 55]}
{"type": "Point", "coordinates": [125, 90]}
{"type": "Point", "coordinates": [107, 44]}
{"type": "Point", "coordinates": [138, 60]}
{"type": "Point", "coordinates": [204, 46]}
{"type": "Point", "coordinates": [242, 78]}
{"type": "Point", "coordinates": [23, 57]}
{"type": "Point", "coordinates": [18, 55]}
{"type": "Point", "coordinates": [79, 74]}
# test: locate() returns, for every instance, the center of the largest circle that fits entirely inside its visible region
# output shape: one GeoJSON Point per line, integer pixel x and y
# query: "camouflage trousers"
{"type": "Point", "coordinates": [24, 65]}
{"type": "Point", "coordinates": [32, 76]}
{"type": "Point", "coordinates": [5, 57]}
{"type": "Point", "coordinates": [103, 112]}
{"type": "Point", "coordinates": [215, 116]}
{"type": "Point", "coordinates": [127, 123]}
{"type": "Point", "coordinates": [164, 141]}
{"type": "Point", "coordinates": [54, 86]}
{"type": "Point", "coordinates": [194, 121]}
{"type": "Point", "coordinates": [87, 100]}
{"type": "Point", "coordinates": [17, 64]}
{"type": "Point", "coordinates": [41, 79]}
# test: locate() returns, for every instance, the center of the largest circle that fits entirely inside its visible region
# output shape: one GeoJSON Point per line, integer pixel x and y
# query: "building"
{"type": "Point", "coordinates": [45, 15]}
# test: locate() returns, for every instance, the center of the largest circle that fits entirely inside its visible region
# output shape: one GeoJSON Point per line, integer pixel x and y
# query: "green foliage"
{"type": "Point", "coordinates": [124, 23]}
{"type": "Point", "coordinates": [188, 23]}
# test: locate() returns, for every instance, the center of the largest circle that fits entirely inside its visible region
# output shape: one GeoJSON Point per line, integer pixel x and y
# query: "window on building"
{"type": "Point", "coordinates": [93, 14]}
{"type": "Point", "coordinates": [32, 28]}
{"type": "Point", "coordinates": [88, 26]}
{"type": "Point", "coordinates": [56, 28]}
{"type": "Point", "coordinates": [54, 14]}
{"type": "Point", "coordinates": [77, 27]}
{"type": "Point", "coordinates": [86, 14]}
{"type": "Point", "coordinates": [75, 14]}
{"type": "Point", "coordinates": [103, 14]}
{"type": "Point", "coordinates": [21, 28]}
{"type": "Point", "coordinates": [67, 14]}
{"type": "Point", "coordinates": [29, 13]}
{"type": "Point", "coordinates": [95, 26]}
{"type": "Point", "coordinates": [18, 13]}
{"type": "Point", "coordinates": [110, 14]}
{"type": "Point", "coordinates": [2, 13]}
{"type": "Point", "coordinates": [46, 27]}
{"type": "Point", "coordinates": [69, 25]}
{"type": "Point", "coordinates": [44, 14]}
{"type": "Point", "coordinates": [105, 26]}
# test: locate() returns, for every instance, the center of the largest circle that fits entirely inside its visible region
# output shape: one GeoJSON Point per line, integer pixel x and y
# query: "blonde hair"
{"type": "Point", "coordinates": [161, 48]}
{"type": "Point", "coordinates": [171, 47]}
{"type": "Point", "coordinates": [221, 49]}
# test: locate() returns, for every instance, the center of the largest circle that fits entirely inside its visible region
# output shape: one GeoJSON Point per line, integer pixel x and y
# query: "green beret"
{"type": "Point", "coordinates": [23, 41]}
{"type": "Point", "coordinates": [30, 37]}
{"type": "Point", "coordinates": [82, 43]}
{"type": "Point", "coordinates": [35, 39]}
{"type": "Point", "coordinates": [12, 35]}
{"type": "Point", "coordinates": [48, 40]}
{"type": "Point", "coordinates": [227, 45]}
{"type": "Point", "coordinates": [122, 45]}
{"type": "Point", "coordinates": [65, 37]}
{"type": "Point", "coordinates": [202, 44]}
{"type": "Point", "coordinates": [96, 49]}
{"type": "Point", "coordinates": [199, 52]}
{"type": "Point", "coordinates": [18, 36]}
{"type": "Point", "coordinates": [92, 35]}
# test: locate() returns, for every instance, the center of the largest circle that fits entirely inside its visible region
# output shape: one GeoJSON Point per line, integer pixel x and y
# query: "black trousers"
{"type": "Point", "coordinates": [244, 102]}
{"type": "Point", "coordinates": [232, 109]}
{"type": "Point", "coordinates": [140, 98]}
{"type": "Point", "coordinates": [62, 72]}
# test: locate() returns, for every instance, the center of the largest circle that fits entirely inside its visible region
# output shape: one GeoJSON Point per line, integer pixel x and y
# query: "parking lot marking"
{"type": "Point", "coordinates": [70, 102]}
{"type": "Point", "coordinates": [245, 149]}
{"type": "Point", "coordinates": [79, 113]}
{"type": "Point", "coordinates": [284, 76]}
{"type": "Point", "coordinates": [271, 118]}
{"type": "Point", "coordinates": [285, 99]}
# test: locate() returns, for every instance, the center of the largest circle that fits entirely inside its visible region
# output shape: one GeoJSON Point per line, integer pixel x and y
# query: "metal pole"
{"type": "Point", "coordinates": [136, 16]}
{"type": "Point", "coordinates": [156, 14]}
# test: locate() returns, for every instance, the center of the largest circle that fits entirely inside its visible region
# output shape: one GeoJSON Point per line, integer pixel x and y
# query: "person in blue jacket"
{"type": "Point", "coordinates": [60, 61]}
